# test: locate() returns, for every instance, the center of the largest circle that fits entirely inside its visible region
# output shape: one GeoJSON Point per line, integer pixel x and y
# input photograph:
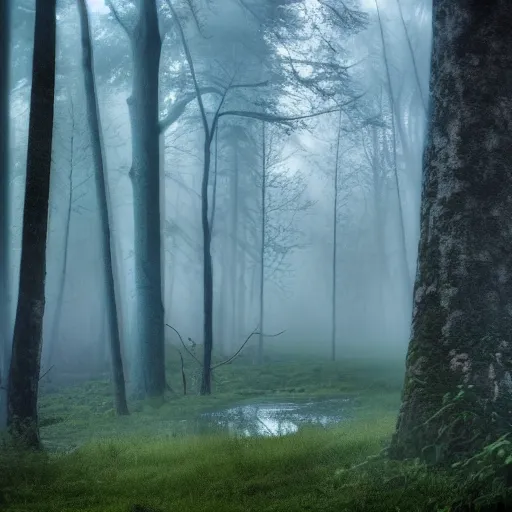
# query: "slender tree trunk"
{"type": "Point", "coordinates": [27, 341]}
{"type": "Point", "coordinates": [207, 274]}
{"type": "Point", "coordinates": [242, 289]}
{"type": "Point", "coordinates": [234, 179]}
{"type": "Point", "coordinates": [5, 336]}
{"type": "Point", "coordinates": [215, 176]}
{"type": "Point", "coordinates": [463, 292]}
{"type": "Point", "coordinates": [335, 242]}
{"type": "Point", "coordinates": [403, 241]}
{"type": "Point", "coordinates": [94, 122]}
{"type": "Point", "coordinates": [262, 241]}
{"type": "Point", "coordinates": [413, 57]}
{"type": "Point", "coordinates": [379, 223]}
{"type": "Point", "coordinates": [221, 336]}
{"type": "Point", "coordinates": [62, 284]}
{"type": "Point", "coordinates": [146, 45]}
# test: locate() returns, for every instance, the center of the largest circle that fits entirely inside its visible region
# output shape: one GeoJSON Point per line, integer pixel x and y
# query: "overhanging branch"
{"type": "Point", "coordinates": [269, 118]}
{"type": "Point", "coordinates": [179, 106]}
{"type": "Point", "coordinates": [128, 31]}
{"type": "Point", "coordinates": [227, 361]}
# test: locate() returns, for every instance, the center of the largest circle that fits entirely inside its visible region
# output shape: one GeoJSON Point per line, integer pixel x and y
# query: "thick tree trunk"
{"type": "Point", "coordinates": [26, 351]}
{"type": "Point", "coordinates": [146, 46]}
{"type": "Point", "coordinates": [93, 118]}
{"type": "Point", "coordinates": [5, 337]}
{"type": "Point", "coordinates": [462, 318]}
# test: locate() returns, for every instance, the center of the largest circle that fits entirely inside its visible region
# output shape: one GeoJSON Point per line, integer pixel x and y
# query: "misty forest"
{"type": "Point", "coordinates": [255, 255]}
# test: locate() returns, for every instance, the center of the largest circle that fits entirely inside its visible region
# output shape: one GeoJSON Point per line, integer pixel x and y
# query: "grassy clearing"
{"type": "Point", "coordinates": [292, 473]}
{"type": "Point", "coordinates": [82, 413]}
{"type": "Point", "coordinates": [150, 459]}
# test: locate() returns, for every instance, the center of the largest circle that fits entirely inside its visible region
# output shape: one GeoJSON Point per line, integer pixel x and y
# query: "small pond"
{"type": "Point", "coordinates": [275, 419]}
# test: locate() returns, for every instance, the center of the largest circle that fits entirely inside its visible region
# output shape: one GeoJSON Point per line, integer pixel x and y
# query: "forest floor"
{"type": "Point", "coordinates": [150, 460]}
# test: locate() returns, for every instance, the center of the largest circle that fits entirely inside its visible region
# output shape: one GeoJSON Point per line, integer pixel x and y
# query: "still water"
{"type": "Point", "coordinates": [275, 419]}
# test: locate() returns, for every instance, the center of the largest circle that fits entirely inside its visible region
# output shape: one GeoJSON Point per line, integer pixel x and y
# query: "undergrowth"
{"type": "Point", "coordinates": [306, 471]}
{"type": "Point", "coordinates": [150, 462]}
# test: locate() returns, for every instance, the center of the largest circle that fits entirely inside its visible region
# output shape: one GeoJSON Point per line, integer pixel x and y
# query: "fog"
{"type": "Point", "coordinates": [374, 272]}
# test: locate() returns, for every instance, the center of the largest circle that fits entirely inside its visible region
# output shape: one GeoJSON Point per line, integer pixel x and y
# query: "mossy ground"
{"type": "Point", "coordinates": [146, 459]}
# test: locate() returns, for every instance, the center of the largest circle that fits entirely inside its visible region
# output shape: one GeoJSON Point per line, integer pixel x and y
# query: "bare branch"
{"type": "Point", "coordinates": [179, 106]}
{"type": "Point", "coordinates": [184, 346]}
{"type": "Point", "coordinates": [227, 361]}
{"type": "Point", "coordinates": [250, 85]}
{"type": "Point", "coordinates": [46, 372]}
{"type": "Point", "coordinates": [190, 62]}
{"type": "Point", "coordinates": [357, 18]}
{"type": "Point", "coordinates": [269, 118]}
{"type": "Point", "coordinates": [128, 31]}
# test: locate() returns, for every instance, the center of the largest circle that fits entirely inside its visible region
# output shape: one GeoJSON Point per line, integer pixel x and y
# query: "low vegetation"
{"type": "Point", "coordinates": [154, 460]}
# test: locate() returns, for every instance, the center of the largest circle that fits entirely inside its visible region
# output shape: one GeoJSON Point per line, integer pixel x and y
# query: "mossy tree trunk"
{"type": "Point", "coordinates": [462, 318]}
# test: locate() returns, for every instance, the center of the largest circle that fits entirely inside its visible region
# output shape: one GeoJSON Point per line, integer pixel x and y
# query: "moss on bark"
{"type": "Point", "coordinates": [461, 342]}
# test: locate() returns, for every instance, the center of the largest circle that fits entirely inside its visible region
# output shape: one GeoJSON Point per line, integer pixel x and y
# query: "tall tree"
{"type": "Point", "coordinates": [335, 241]}
{"type": "Point", "coordinates": [146, 47]}
{"type": "Point", "coordinates": [93, 118]}
{"type": "Point", "coordinates": [5, 31]}
{"type": "Point", "coordinates": [460, 345]}
{"type": "Point", "coordinates": [27, 340]}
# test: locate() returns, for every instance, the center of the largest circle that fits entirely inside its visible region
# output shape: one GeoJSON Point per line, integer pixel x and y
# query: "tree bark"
{"type": "Point", "coordinates": [207, 273]}
{"type": "Point", "coordinates": [27, 341]}
{"type": "Point", "coordinates": [462, 317]}
{"type": "Point", "coordinates": [5, 338]}
{"type": "Point", "coordinates": [94, 122]}
{"type": "Point", "coordinates": [146, 45]}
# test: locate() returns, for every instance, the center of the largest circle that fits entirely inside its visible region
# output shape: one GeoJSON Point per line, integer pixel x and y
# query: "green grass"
{"type": "Point", "coordinates": [83, 413]}
{"type": "Point", "coordinates": [305, 471]}
{"type": "Point", "coordinates": [97, 462]}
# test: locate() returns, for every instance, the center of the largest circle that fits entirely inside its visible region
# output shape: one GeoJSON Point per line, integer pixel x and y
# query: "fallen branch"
{"type": "Point", "coordinates": [227, 361]}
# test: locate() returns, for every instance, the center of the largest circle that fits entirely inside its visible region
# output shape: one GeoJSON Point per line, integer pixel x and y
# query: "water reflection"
{"type": "Point", "coordinates": [275, 419]}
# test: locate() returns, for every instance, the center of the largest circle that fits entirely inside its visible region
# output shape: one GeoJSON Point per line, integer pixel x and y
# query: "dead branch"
{"type": "Point", "coordinates": [227, 361]}
{"type": "Point", "coordinates": [46, 372]}
{"type": "Point", "coordinates": [122, 23]}
{"type": "Point", "coordinates": [184, 346]}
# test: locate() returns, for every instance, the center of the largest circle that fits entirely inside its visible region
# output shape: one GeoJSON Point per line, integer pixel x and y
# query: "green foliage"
{"type": "Point", "coordinates": [77, 414]}
{"type": "Point", "coordinates": [291, 473]}
{"type": "Point", "coordinates": [149, 461]}
{"type": "Point", "coordinates": [488, 474]}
